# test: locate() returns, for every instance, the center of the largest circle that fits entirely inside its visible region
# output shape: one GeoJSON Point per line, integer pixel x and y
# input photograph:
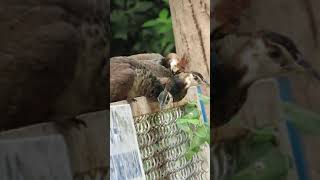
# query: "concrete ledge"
{"type": "Point", "coordinates": [35, 158]}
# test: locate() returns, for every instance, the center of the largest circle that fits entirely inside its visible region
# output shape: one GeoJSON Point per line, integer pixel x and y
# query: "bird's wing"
{"type": "Point", "coordinates": [147, 57]}
{"type": "Point", "coordinates": [157, 69]}
{"type": "Point", "coordinates": [35, 70]}
{"type": "Point", "coordinates": [122, 76]}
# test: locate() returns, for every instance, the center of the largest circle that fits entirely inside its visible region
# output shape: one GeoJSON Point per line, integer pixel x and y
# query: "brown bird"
{"type": "Point", "coordinates": [265, 55]}
{"type": "Point", "coordinates": [175, 63]}
{"type": "Point", "coordinates": [172, 61]}
{"type": "Point", "coordinates": [52, 71]}
{"type": "Point", "coordinates": [130, 79]}
{"type": "Point", "coordinates": [150, 61]}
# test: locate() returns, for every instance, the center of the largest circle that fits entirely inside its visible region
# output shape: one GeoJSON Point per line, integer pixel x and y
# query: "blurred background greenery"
{"type": "Point", "coordinates": [139, 26]}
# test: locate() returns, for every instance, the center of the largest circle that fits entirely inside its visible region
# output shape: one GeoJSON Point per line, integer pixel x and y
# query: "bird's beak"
{"type": "Point", "coordinates": [302, 66]}
{"type": "Point", "coordinates": [201, 79]}
{"type": "Point", "coordinates": [294, 68]}
{"type": "Point", "coordinates": [206, 82]}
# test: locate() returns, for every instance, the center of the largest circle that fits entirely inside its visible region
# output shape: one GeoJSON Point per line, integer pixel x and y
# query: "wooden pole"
{"type": "Point", "coordinates": [191, 27]}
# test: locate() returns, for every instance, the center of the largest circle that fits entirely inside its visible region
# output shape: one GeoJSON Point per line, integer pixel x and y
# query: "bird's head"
{"type": "Point", "coordinates": [189, 79]}
{"type": "Point", "coordinates": [269, 54]}
{"type": "Point", "coordinates": [171, 62]}
{"type": "Point", "coordinates": [176, 64]}
{"type": "Point", "coordinates": [176, 87]}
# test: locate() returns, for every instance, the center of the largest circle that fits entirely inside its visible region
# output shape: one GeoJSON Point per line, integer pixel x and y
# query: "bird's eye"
{"type": "Point", "coordinates": [274, 52]}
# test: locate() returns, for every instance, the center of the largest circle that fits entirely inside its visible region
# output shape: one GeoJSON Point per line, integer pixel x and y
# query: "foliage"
{"type": "Point", "coordinates": [265, 160]}
{"type": "Point", "coordinates": [258, 157]}
{"type": "Point", "coordinates": [304, 120]}
{"type": "Point", "coordinates": [163, 34]}
{"type": "Point", "coordinates": [198, 132]}
{"type": "Point", "coordinates": [140, 26]}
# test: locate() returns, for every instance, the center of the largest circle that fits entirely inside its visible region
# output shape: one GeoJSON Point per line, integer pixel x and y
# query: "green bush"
{"type": "Point", "coordinates": [140, 26]}
{"type": "Point", "coordinates": [197, 131]}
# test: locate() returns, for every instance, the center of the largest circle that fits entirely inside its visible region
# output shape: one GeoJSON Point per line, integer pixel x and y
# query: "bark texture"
{"type": "Point", "coordinates": [191, 26]}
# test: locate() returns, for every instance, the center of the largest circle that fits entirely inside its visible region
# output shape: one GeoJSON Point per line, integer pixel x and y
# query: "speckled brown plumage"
{"type": "Point", "coordinates": [130, 78]}
{"type": "Point", "coordinates": [51, 60]}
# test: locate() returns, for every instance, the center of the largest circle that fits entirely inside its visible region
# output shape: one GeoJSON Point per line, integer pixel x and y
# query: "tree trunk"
{"type": "Point", "coordinates": [191, 26]}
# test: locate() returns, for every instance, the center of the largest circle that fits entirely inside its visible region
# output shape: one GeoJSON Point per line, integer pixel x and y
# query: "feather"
{"type": "Point", "coordinates": [183, 63]}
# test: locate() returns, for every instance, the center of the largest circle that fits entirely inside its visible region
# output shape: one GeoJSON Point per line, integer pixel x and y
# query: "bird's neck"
{"type": "Point", "coordinates": [246, 66]}
{"type": "Point", "coordinates": [177, 89]}
{"type": "Point", "coordinates": [229, 93]}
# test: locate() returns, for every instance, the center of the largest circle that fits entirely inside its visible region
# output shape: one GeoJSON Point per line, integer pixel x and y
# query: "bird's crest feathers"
{"type": "Point", "coordinates": [183, 63]}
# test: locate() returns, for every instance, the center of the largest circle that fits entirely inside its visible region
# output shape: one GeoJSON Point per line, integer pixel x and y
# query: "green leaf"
{"type": "Point", "coordinates": [163, 14]}
{"type": "Point", "coordinates": [117, 16]}
{"type": "Point", "coordinates": [306, 121]}
{"type": "Point", "coordinates": [188, 121]}
{"type": "Point", "coordinates": [189, 154]}
{"type": "Point", "coordinates": [205, 99]}
{"type": "Point", "coordinates": [163, 44]}
{"type": "Point", "coordinates": [166, 1]}
{"type": "Point", "coordinates": [273, 165]}
{"type": "Point", "coordinates": [150, 23]}
{"type": "Point", "coordinates": [192, 114]}
{"type": "Point", "coordinates": [119, 3]}
{"type": "Point", "coordinates": [142, 6]}
{"type": "Point", "coordinates": [168, 49]}
{"type": "Point", "coordinates": [202, 132]}
{"type": "Point", "coordinates": [185, 128]}
{"type": "Point", "coordinates": [164, 29]}
{"type": "Point", "coordinates": [192, 103]}
{"type": "Point", "coordinates": [263, 135]}
{"type": "Point", "coordinates": [165, 22]}
{"type": "Point", "coordinates": [190, 106]}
